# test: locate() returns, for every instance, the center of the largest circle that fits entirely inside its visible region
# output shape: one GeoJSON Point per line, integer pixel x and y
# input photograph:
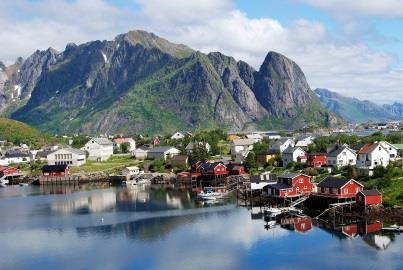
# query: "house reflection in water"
{"type": "Point", "coordinates": [301, 224]}
{"type": "Point", "coordinates": [94, 203]}
{"type": "Point", "coordinates": [370, 233]}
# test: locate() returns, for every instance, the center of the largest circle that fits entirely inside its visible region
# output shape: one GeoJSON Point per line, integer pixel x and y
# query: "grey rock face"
{"type": "Point", "coordinates": [280, 86]}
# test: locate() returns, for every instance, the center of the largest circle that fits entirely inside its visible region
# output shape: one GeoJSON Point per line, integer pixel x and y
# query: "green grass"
{"type": "Point", "coordinates": [18, 132]}
{"type": "Point", "coordinates": [114, 165]}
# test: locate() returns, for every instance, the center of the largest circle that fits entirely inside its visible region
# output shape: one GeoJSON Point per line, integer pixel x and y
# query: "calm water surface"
{"type": "Point", "coordinates": [119, 228]}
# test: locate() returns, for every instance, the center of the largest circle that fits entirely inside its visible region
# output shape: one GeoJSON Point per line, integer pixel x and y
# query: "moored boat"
{"type": "Point", "coordinates": [212, 193]}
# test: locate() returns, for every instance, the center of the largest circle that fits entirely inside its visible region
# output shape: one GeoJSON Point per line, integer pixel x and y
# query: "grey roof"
{"type": "Point", "coordinates": [161, 149]}
{"type": "Point", "coordinates": [53, 168]}
{"type": "Point", "coordinates": [370, 192]}
{"type": "Point", "coordinates": [102, 141]}
{"type": "Point", "coordinates": [289, 175]}
{"type": "Point", "coordinates": [210, 165]}
{"type": "Point", "coordinates": [243, 141]}
{"type": "Point", "coordinates": [333, 182]}
{"type": "Point", "coordinates": [337, 151]}
{"type": "Point", "coordinates": [280, 186]}
{"type": "Point", "coordinates": [72, 150]}
{"type": "Point", "coordinates": [290, 150]}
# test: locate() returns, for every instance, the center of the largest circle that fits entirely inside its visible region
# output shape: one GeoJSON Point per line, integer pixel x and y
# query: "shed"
{"type": "Point", "coordinates": [369, 197]}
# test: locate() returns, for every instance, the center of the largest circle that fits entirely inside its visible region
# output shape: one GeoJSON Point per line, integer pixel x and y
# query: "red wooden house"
{"type": "Point", "coordinates": [213, 170]}
{"type": "Point", "coordinates": [6, 171]}
{"type": "Point", "coordinates": [300, 224]}
{"type": "Point", "coordinates": [235, 169]}
{"type": "Point", "coordinates": [55, 170]}
{"type": "Point", "coordinates": [339, 188]}
{"type": "Point", "coordinates": [316, 160]}
{"type": "Point", "coordinates": [291, 185]}
{"type": "Point", "coordinates": [368, 197]}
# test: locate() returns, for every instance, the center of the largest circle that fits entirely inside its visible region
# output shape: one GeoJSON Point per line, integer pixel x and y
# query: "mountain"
{"type": "Point", "coordinates": [140, 82]}
{"type": "Point", "coordinates": [17, 132]}
{"type": "Point", "coordinates": [395, 109]}
{"type": "Point", "coordinates": [355, 110]}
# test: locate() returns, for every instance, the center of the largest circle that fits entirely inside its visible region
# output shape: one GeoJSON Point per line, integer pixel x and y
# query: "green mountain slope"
{"type": "Point", "coordinates": [139, 82]}
{"type": "Point", "coordinates": [17, 133]}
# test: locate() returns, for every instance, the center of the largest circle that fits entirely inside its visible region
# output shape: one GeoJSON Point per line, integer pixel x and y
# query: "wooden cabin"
{"type": "Point", "coordinates": [291, 185]}
{"type": "Point", "coordinates": [339, 188]}
{"type": "Point", "coordinates": [368, 197]}
{"type": "Point", "coordinates": [55, 170]}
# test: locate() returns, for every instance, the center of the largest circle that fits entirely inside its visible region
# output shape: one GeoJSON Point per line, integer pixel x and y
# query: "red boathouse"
{"type": "Point", "coordinates": [291, 185]}
{"type": "Point", "coordinates": [368, 197]}
{"type": "Point", "coordinates": [339, 188]}
{"type": "Point", "coordinates": [55, 170]}
{"type": "Point", "coordinates": [213, 170]}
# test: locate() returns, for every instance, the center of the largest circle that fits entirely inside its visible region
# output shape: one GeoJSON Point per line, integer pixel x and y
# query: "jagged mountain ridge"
{"type": "Point", "coordinates": [139, 82]}
{"type": "Point", "coordinates": [355, 110]}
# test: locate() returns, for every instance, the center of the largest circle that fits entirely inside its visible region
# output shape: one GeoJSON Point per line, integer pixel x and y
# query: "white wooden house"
{"type": "Point", "coordinates": [99, 149]}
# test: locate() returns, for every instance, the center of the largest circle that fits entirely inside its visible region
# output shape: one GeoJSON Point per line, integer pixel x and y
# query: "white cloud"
{"type": "Point", "coordinates": [347, 8]}
{"type": "Point", "coordinates": [348, 66]}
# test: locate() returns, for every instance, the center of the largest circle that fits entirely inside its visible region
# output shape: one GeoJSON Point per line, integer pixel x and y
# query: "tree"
{"type": "Point", "coordinates": [261, 147]}
{"type": "Point", "coordinates": [379, 171]}
{"type": "Point", "coordinates": [199, 152]}
{"type": "Point", "coordinates": [124, 147]}
{"type": "Point", "coordinates": [250, 161]}
{"type": "Point", "coordinates": [351, 172]}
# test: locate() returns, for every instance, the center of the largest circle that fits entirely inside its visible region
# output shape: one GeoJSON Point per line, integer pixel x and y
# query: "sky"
{"type": "Point", "coordinates": [353, 47]}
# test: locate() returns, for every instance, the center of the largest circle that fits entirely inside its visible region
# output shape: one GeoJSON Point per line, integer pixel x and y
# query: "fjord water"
{"type": "Point", "coordinates": [120, 228]}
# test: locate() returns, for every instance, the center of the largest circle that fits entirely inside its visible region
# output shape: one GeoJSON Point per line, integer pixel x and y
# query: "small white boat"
{"type": "Point", "coordinates": [137, 181]}
{"type": "Point", "coordinates": [212, 193]}
{"type": "Point", "coordinates": [23, 184]}
{"type": "Point", "coordinates": [273, 211]}
{"type": "Point", "coordinates": [270, 224]}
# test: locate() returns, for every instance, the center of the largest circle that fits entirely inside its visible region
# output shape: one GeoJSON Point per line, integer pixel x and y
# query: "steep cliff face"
{"type": "Point", "coordinates": [281, 87]}
{"type": "Point", "coordinates": [17, 81]}
{"type": "Point", "coordinates": [139, 82]}
{"type": "Point", "coordinates": [395, 109]}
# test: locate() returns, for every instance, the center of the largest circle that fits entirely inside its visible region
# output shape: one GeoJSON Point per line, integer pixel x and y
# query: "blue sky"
{"type": "Point", "coordinates": [352, 47]}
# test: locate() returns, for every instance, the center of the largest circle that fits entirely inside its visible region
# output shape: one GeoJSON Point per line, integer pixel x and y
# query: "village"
{"type": "Point", "coordinates": [288, 169]}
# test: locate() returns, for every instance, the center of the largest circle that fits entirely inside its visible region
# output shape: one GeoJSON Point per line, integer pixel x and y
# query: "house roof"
{"type": "Point", "coordinates": [54, 168]}
{"type": "Point", "coordinates": [398, 146]}
{"type": "Point", "coordinates": [241, 142]}
{"type": "Point", "coordinates": [161, 149]}
{"type": "Point", "coordinates": [142, 148]}
{"type": "Point", "coordinates": [102, 141]}
{"type": "Point", "coordinates": [290, 150]}
{"type": "Point", "coordinates": [72, 150]}
{"type": "Point", "coordinates": [281, 141]}
{"type": "Point", "coordinates": [337, 151]}
{"type": "Point", "coordinates": [210, 165]}
{"type": "Point", "coordinates": [132, 168]}
{"type": "Point", "coordinates": [183, 158]}
{"type": "Point", "coordinates": [369, 147]}
{"type": "Point", "coordinates": [290, 175]}
{"type": "Point", "coordinates": [191, 145]}
{"type": "Point", "coordinates": [16, 154]}
{"type": "Point", "coordinates": [122, 140]}
{"type": "Point", "coordinates": [370, 192]}
{"type": "Point", "coordinates": [333, 182]}
{"type": "Point", "coordinates": [280, 186]}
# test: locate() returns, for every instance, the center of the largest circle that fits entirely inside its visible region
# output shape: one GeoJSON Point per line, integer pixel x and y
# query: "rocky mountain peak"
{"type": "Point", "coordinates": [150, 40]}
{"type": "Point", "coordinates": [281, 86]}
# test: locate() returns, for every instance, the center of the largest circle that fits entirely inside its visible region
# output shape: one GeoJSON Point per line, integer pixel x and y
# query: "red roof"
{"type": "Point", "coordinates": [122, 140]}
{"type": "Point", "coordinates": [368, 148]}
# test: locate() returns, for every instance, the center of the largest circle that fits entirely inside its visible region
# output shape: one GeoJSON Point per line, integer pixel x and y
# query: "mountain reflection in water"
{"type": "Point", "coordinates": [148, 228]}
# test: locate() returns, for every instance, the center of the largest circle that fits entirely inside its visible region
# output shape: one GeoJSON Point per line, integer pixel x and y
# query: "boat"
{"type": "Point", "coordinates": [23, 184]}
{"type": "Point", "coordinates": [212, 193]}
{"type": "Point", "coordinates": [273, 211]}
{"type": "Point", "coordinates": [137, 181]}
{"type": "Point", "coordinates": [270, 224]}
{"type": "Point", "coordinates": [295, 211]}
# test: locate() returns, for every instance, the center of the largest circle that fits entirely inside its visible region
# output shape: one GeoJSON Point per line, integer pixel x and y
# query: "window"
{"type": "Point", "coordinates": [297, 189]}
{"type": "Point", "coordinates": [305, 187]}
{"type": "Point", "coordinates": [301, 180]}
{"type": "Point", "coordinates": [346, 191]}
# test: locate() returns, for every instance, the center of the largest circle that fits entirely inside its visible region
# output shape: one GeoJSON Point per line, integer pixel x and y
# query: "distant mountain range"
{"type": "Point", "coordinates": [358, 111]}
{"type": "Point", "coordinates": [140, 82]}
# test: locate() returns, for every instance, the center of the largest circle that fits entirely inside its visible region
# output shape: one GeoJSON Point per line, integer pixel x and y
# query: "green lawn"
{"type": "Point", "coordinates": [113, 165]}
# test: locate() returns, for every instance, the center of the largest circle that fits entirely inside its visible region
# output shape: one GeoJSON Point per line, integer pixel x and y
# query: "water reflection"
{"type": "Point", "coordinates": [158, 228]}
